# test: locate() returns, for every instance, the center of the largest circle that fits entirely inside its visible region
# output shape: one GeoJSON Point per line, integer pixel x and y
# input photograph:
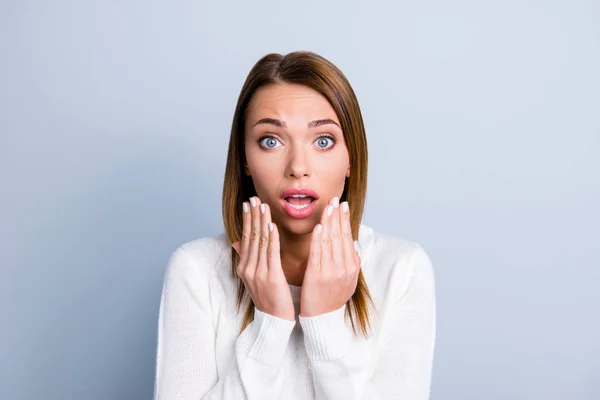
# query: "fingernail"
{"type": "Point", "coordinates": [336, 201]}
{"type": "Point", "coordinates": [319, 228]}
{"type": "Point", "coordinates": [245, 206]}
{"type": "Point", "coordinates": [271, 226]}
{"type": "Point", "coordinates": [329, 210]}
{"type": "Point", "coordinates": [345, 206]}
{"type": "Point", "coordinates": [253, 201]}
{"type": "Point", "coordinates": [262, 208]}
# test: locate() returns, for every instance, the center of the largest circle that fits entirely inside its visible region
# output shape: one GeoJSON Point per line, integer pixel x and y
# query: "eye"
{"type": "Point", "coordinates": [269, 140]}
{"type": "Point", "coordinates": [322, 140]}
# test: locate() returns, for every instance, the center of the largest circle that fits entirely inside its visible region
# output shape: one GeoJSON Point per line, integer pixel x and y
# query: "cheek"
{"type": "Point", "coordinates": [257, 163]}
{"type": "Point", "coordinates": [331, 180]}
{"type": "Point", "coordinates": [264, 175]}
{"type": "Point", "coordinates": [263, 169]}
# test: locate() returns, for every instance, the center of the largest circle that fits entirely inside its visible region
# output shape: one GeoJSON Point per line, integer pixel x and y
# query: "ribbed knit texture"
{"type": "Point", "coordinates": [201, 355]}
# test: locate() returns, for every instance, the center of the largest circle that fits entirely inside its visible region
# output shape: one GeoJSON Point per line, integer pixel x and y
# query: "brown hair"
{"type": "Point", "coordinates": [314, 71]}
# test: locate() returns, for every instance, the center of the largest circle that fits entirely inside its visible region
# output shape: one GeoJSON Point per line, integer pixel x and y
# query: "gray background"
{"type": "Point", "coordinates": [484, 137]}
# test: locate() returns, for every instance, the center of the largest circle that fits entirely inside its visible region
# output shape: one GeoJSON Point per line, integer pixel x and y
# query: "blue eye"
{"type": "Point", "coordinates": [322, 140]}
{"type": "Point", "coordinates": [269, 142]}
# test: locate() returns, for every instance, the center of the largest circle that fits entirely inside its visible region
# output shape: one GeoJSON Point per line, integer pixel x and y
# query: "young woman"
{"type": "Point", "coordinates": [296, 299]}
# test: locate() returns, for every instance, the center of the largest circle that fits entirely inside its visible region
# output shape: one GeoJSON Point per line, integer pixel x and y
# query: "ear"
{"type": "Point", "coordinates": [247, 170]}
{"type": "Point", "coordinates": [348, 172]}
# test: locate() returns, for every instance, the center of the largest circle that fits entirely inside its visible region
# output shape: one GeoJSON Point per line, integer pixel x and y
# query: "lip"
{"type": "Point", "coordinates": [305, 191]}
{"type": "Point", "coordinates": [299, 214]}
{"type": "Point", "coordinates": [306, 211]}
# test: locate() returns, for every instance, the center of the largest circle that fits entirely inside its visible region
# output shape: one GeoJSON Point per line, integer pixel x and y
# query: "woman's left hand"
{"type": "Point", "coordinates": [333, 265]}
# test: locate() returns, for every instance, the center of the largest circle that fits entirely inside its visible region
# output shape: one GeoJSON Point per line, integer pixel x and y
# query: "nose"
{"type": "Point", "coordinates": [297, 164]}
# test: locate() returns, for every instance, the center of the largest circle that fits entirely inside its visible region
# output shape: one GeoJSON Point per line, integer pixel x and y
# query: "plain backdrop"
{"type": "Point", "coordinates": [483, 126]}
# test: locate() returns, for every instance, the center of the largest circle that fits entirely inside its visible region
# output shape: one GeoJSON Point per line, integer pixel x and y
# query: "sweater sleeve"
{"type": "Point", "coordinates": [186, 360]}
{"type": "Point", "coordinates": [339, 363]}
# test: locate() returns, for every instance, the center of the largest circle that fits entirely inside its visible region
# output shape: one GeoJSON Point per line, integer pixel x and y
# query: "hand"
{"type": "Point", "coordinates": [260, 262]}
{"type": "Point", "coordinates": [333, 265]}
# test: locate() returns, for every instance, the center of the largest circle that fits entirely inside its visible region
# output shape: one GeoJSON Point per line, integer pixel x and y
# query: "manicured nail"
{"type": "Point", "coordinates": [245, 206]}
{"type": "Point", "coordinates": [253, 201]}
{"type": "Point", "coordinates": [329, 210]}
{"type": "Point", "coordinates": [262, 208]}
{"type": "Point", "coordinates": [319, 228]}
{"type": "Point", "coordinates": [336, 201]}
{"type": "Point", "coordinates": [271, 226]}
{"type": "Point", "coordinates": [345, 206]}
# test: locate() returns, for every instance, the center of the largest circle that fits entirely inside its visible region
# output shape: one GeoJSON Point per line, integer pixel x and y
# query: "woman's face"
{"type": "Point", "coordinates": [293, 140]}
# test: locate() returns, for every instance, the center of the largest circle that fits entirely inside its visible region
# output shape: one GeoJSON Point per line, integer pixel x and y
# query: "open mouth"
{"type": "Point", "coordinates": [299, 201]}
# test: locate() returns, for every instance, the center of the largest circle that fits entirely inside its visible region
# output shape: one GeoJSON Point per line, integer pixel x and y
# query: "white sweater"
{"type": "Point", "coordinates": [201, 356]}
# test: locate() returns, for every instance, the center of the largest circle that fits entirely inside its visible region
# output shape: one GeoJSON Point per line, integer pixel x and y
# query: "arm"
{"type": "Point", "coordinates": [186, 359]}
{"type": "Point", "coordinates": [340, 363]}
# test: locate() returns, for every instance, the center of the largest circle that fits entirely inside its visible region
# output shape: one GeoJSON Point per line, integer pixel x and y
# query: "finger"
{"type": "Point", "coordinates": [273, 250]}
{"type": "Point", "coordinates": [346, 234]}
{"type": "Point", "coordinates": [254, 237]}
{"type": "Point", "coordinates": [263, 242]}
{"type": "Point", "coordinates": [326, 256]}
{"type": "Point", "coordinates": [242, 247]}
{"type": "Point", "coordinates": [314, 257]}
{"type": "Point", "coordinates": [247, 229]}
{"type": "Point", "coordinates": [337, 247]}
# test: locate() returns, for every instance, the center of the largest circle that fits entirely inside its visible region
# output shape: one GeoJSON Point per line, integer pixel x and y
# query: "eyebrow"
{"type": "Point", "coordinates": [282, 124]}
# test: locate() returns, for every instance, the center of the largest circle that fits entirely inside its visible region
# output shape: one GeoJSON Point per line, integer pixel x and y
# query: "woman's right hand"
{"type": "Point", "coordinates": [260, 262]}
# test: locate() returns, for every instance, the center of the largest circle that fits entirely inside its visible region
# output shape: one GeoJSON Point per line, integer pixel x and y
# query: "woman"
{"type": "Point", "coordinates": [297, 299]}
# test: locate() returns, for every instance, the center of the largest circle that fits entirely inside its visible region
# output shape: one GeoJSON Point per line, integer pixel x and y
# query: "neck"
{"type": "Point", "coordinates": [294, 251]}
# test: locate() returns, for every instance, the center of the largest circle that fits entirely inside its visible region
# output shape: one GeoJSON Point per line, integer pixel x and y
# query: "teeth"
{"type": "Point", "coordinates": [299, 207]}
{"type": "Point", "coordinates": [300, 196]}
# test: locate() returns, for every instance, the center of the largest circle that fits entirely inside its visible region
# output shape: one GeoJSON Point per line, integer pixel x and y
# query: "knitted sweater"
{"type": "Point", "coordinates": [202, 355]}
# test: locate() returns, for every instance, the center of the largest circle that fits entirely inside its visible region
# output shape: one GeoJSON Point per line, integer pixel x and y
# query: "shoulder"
{"type": "Point", "coordinates": [382, 248]}
{"type": "Point", "coordinates": [392, 263]}
{"type": "Point", "coordinates": [198, 257]}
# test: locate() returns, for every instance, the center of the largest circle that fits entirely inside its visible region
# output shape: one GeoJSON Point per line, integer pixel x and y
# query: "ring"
{"type": "Point", "coordinates": [263, 241]}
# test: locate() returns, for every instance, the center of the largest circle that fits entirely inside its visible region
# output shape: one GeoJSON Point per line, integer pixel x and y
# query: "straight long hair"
{"type": "Point", "coordinates": [314, 71]}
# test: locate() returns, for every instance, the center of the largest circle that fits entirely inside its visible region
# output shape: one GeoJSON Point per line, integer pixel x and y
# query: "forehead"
{"type": "Point", "coordinates": [289, 101]}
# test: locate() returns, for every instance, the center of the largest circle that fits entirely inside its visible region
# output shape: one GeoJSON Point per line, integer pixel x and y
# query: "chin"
{"type": "Point", "coordinates": [297, 227]}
